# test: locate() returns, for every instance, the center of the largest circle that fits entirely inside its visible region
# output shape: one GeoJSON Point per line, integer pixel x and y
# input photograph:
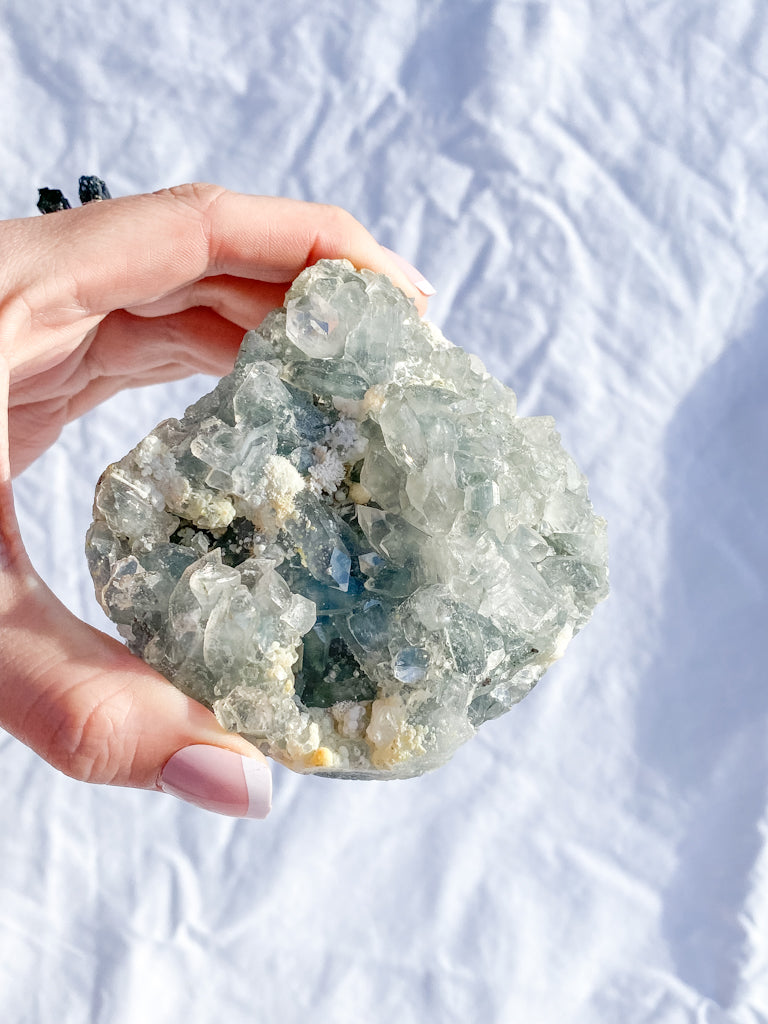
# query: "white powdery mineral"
{"type": "Point", "coordinates": [352, 550]}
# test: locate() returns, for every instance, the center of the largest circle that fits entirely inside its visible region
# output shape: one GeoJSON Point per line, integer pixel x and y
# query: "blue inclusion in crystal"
{"type": "Point", "coordinates": [370, 626]}
{"type": "Point", "coordinates": [318, 324]}
{"type": "Point", "coordinates": [330, 672]}
{"type": "Point", "coordinates": [310, 421]}
{"type": "Point", "coordinates": [370, 561]}
{"type": "Point", "coordinates": [328, 599]}
{"type": "Point", "coordinates": [339, 567]}
{"type": "Point", "coordinates": [391, 582]}
{"type": "Point", "coordinates": [410, 664]}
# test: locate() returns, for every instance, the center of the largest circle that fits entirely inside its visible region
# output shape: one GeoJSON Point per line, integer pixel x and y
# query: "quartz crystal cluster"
{"type": "Point", "coordinates": [352, 549]}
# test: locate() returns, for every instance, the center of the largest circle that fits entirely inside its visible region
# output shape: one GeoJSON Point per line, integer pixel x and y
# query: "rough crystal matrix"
{"type": "Point", "coordinates": [352, 550]}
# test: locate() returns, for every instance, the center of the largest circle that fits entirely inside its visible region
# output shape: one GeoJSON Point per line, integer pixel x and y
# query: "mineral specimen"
{"type": "Point", "coordinates": [91, 189]}
{"type": "Point", "coordinates": [352, 550]}
{"type": "Point", "coordinates": [51, 200]}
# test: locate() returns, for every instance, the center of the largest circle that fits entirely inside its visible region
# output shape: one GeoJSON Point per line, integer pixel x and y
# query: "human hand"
{"type": "Point", "coordinates": [116, 294]}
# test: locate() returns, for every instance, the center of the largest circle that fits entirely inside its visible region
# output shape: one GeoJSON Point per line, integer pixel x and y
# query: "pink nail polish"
{"type": "Point", "coordinates": [415, 276]}
{"type": "Point", "coordinates": [219, 780]}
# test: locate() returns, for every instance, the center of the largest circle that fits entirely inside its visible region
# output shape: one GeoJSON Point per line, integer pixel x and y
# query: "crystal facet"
{"type": "Point", "coordinates": [352, 550]}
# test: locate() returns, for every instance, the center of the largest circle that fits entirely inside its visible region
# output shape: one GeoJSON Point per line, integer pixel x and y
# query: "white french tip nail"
{"type": "Point", "coordinates": [258, 781]}
{"type": "Point", "coordinates": [415, 276]}
{"type": "Point", "coordinates": [219, 780]}
{"type": "Point", "coordinates": [425, 287]}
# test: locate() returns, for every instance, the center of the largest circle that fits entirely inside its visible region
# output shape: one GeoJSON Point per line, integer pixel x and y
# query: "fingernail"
{"type": "Point", "coordinates": [415, 276]}
{"type": "Point", "coordinates": [219, 780]}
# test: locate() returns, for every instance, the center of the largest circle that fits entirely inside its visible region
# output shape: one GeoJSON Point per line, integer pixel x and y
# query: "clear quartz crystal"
{"type": "Point", "coordinates": [352, 550]}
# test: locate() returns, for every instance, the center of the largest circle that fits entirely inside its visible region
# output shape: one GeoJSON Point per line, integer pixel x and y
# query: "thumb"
{"type": "Point", "coordinates": [94, 711]}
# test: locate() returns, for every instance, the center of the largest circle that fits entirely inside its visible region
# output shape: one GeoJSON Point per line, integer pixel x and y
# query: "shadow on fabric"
{"type": "Point", "coordinates": [703, 711]}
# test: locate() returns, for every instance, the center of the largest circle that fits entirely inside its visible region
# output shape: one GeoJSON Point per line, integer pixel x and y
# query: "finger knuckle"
{"type": "Point", "coordinates": [338, 220]}
{"type": "Point", "coordinates": [87, 741]}
{"type": "Point", "coordinates": [197, 194]}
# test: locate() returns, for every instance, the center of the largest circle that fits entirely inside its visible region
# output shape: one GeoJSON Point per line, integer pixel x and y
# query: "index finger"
{"type": "Point", "coordinates": [133, 250]}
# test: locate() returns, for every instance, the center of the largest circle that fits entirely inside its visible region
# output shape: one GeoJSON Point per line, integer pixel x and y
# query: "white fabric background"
{"type": "Point", "coordinates": [586, 183]}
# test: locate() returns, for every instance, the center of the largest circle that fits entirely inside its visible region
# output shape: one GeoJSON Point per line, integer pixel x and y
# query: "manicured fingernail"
{"type": "Point", "coordinates": [415, 276]}
{"type": "Point", "coordinates": [219, 780]}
